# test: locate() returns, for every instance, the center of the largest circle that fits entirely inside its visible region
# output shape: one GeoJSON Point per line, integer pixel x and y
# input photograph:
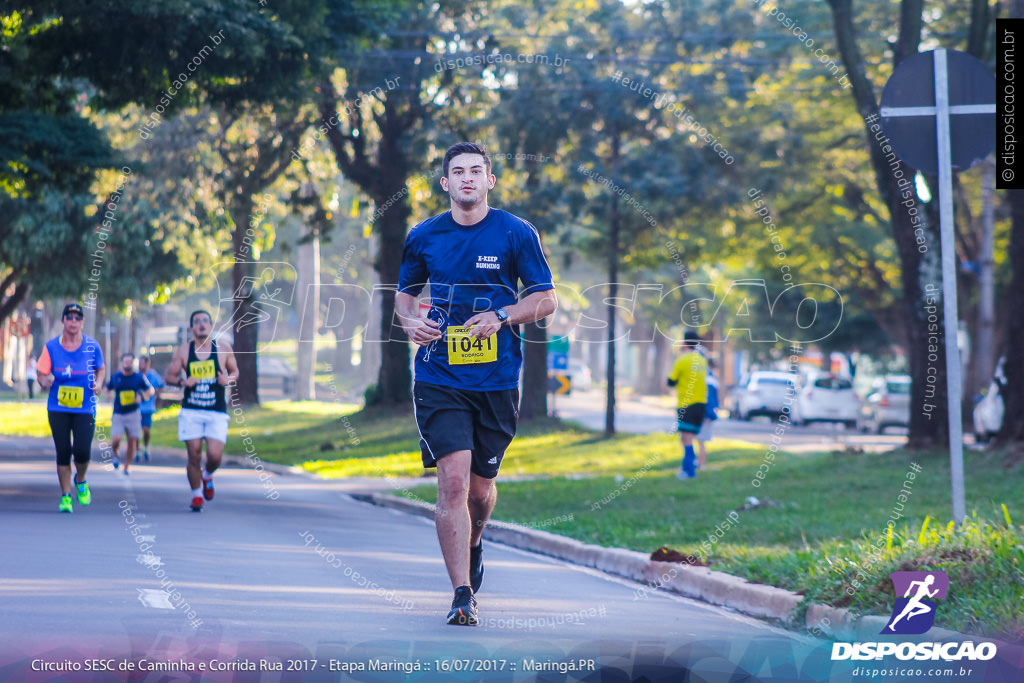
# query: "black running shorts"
{"type": "Point", "coordinates": [72, 436]}
{"type": "Point", "coordinates": [450, 420]}
{"type": "Point", "coordinates": [690, 418]}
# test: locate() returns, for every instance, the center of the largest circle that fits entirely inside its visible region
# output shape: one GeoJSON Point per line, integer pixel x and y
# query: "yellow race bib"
{"type": "Point", "coordinates": [127, 398]}
{"type": "Point", "coordinates": [202, 369]}
{"type": "Point", "coordinates": [70, 397]}
{"type": "Point", "coordinates": [466, 350]}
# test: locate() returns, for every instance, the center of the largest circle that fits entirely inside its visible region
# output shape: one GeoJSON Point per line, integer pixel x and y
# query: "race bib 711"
{"type": "Point", "coordinates": [464, 349]}
{"type": "Point", "coordinates": [70, 397]}
{"type": "Point", "coordinates": [127, 398]}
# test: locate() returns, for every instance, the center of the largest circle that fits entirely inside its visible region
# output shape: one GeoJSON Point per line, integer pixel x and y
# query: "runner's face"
{"type": "Point", "coordinates": [468, 180]}
{"type": "Point", "coordinates": [72, 323]}
{"type": "Point", "coordinates": [201, 325]}
{"type": "Point", "coordinates": [143, 364]}
{"type": "Point", "coordinates": [126, 364]}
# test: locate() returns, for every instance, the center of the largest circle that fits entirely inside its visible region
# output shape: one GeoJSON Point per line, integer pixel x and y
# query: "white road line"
{"type": "Point", "coordinates": [150, 561]}
{"type": "Point", "coordinates": [152, 597]}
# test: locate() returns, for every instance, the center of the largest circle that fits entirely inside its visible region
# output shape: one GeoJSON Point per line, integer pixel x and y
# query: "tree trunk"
{"type": "Point", "coordinates": [985, 338]}
{"type": "Point", "coordinates": [662, 364]}
{"type": "Point", "coordinates": [1013, 368]}
{"type": "Point", "coordinates": [534, 403]}
{"type": "Point", "coordinates": [613, 291]}
{"type": "Point", "coordinates": [309, 298]}
{"type": "Point", "coordinates": [244, 315]}
{"type": "Point", "coordinates": [394, 380]}
{"type": "Point", "coordinates": [598, 366]}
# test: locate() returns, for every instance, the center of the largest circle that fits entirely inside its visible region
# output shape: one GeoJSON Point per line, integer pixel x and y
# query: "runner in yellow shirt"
{"type": "Point", "coordinates": [689, 377]}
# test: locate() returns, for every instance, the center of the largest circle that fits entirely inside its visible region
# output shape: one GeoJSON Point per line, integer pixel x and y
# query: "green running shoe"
{"type": "Point", "coordinates": [65, 503]}
{"type": "Point", "coordinates": [84, 495]}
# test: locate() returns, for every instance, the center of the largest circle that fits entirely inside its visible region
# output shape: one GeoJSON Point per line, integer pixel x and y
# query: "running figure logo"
{"type": "Point", "coordinates": [914, 613]}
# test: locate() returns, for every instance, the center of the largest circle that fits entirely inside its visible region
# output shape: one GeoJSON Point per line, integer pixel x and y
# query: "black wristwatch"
{"type": "Point", "coordinates": [502, 315]}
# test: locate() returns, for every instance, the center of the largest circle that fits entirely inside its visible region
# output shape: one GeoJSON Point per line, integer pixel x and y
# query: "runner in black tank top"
{"type": "Point", "coordinates": [204, 408]}
{"type": "Point", "coordinates": [208, 394]}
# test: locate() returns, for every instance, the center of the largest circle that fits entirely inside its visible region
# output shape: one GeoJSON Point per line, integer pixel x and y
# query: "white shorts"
{"type": "Point", "coordinates": [203, 424]}
{"type": "Point", "coordinates": [705, 431]}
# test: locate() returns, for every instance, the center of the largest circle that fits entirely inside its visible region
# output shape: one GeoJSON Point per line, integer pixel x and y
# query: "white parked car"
{"type": "Point", "coordinates": [888, 404]}
{"type": "Point", "coordinates": [580, 375]}
{"type": "Point", "coordinates": [764, 393]}
{"type": "Point", "coordinates": [826, 397]}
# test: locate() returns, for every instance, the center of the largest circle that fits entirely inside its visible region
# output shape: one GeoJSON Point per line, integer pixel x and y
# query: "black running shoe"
{"type": "Point", "coordinates": [463, 612]}
{"type": "Point", "coordinates": [476, 566]}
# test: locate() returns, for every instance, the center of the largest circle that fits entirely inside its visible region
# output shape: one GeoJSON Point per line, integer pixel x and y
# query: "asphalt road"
{"type": "Point", "coordinates": [289, 571]}
{"type": "Point", "coordinates": [650, 414]}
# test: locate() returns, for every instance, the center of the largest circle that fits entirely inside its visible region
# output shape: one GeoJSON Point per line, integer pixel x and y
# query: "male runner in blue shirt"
{"type": "Point", "coordinates": [466, 393]}
{"type": "Point", "coordinates": [130, 390]}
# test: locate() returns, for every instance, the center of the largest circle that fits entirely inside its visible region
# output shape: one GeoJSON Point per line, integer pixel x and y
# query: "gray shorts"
{"type": "Point", "coordinates": [126, 422]}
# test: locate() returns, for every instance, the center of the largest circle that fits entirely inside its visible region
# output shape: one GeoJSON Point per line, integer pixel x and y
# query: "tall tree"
{"type": "Point", "coordinates": [256, 149]}
{"type": "Point", "coordinates": [918, 268]}
{"type": "Point", "coordinates": [1013, 393]}
{"type": "Point", "coordinates": [376, 119]}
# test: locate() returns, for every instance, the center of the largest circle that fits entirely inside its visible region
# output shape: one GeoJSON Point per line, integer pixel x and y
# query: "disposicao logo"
{"type": "Point", "coordinates": [914, 613]}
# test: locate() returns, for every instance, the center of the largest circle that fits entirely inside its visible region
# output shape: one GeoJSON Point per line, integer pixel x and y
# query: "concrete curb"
{"type": "Point", "coordinates": [717, 588]}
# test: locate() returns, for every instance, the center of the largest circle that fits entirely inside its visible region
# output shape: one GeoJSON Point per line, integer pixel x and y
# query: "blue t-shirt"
{"type": "Point", "coordinates": [157, 382]}
{"type": "Point", "coordinates": [472, 268]}
{"type": "Point", "coordinates": [73, 375]}
{"type": "Point", "coordinates": [125, 387]}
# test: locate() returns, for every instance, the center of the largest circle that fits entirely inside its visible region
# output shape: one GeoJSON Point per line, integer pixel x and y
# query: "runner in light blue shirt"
{"type": "Point", "coordinates": [148, 407]}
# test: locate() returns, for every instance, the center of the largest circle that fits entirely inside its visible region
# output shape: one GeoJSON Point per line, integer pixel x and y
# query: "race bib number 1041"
{"type": "Point", "coordinates": [464, 349]}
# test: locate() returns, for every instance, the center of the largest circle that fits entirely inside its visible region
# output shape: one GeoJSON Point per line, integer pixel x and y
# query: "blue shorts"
{"type": "Point", "coordinates": [147, 420]}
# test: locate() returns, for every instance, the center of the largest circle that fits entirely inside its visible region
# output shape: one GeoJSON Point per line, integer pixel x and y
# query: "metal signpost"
{"type": "Point", "coordinates": [963, 95]}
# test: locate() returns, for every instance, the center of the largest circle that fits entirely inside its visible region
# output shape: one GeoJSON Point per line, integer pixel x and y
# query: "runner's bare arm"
{"type": "Point", "coordinates": [97, 384]}
{"type": "Point", "coordinates": [227, 355]}
{"type": "Point", "coordinates": [421, 331]}
{"type": "Point", "coordinates": [44, 370]}
{"type": "Point", "coordinates": [173, 374]}
{"type": "Point", "coordinates": [533, 307]}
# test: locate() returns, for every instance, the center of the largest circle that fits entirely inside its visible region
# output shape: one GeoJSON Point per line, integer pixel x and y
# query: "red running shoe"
{"type": "Point", "coordinates": [208, 489]}
{"type": "Point", "coordinates": [197, 504]}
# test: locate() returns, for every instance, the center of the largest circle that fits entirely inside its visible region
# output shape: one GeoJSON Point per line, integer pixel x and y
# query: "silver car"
{"type": "Point", "coordinates": [765, 392]}
{"type": "Point", "coordinates": [888, 405]}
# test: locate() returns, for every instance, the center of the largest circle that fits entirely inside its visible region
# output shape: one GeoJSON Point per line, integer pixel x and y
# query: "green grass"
{"type": "Point", "coordinates": [288, 432]}
{"type": "Point", "coordinates": [24, 418]}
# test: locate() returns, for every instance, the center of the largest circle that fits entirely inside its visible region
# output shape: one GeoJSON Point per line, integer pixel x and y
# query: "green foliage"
{"type": "Point", "coordinates": [134, 52]}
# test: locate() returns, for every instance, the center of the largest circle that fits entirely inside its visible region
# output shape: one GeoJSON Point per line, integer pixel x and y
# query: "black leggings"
{"type": "Point", "coordinates": [65, 425]}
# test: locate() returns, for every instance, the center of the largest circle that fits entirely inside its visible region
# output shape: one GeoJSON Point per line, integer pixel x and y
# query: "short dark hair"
{"type": "Point", "coordinates": [192, 318]}
{"type": "Point", "coordinates": [465, 148]}
{"type": "Point", "coordinates": [129, 354]}
{"type": "Point", "coordinates": [691, 339]}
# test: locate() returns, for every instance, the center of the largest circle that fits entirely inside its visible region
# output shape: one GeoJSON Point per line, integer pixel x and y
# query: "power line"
{"type": "Point", "coordinates": [437, 58]}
